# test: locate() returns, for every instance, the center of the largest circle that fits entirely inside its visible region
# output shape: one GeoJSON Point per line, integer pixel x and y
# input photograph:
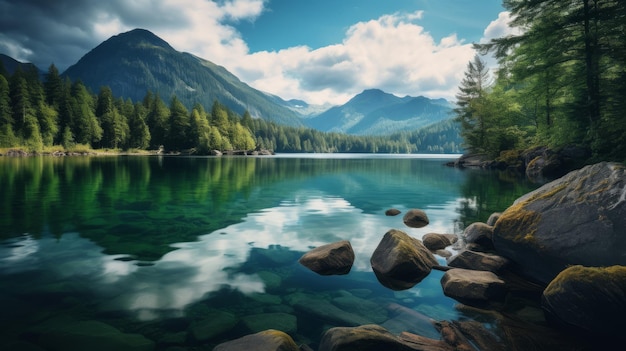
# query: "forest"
{"type": "Point", "coordinates": [42, 114]}
{"type": "Point", "coordinates": [560, 81]}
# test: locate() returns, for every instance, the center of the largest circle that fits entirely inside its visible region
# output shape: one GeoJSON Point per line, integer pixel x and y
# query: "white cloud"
{"type": "Point", "coordinates": [500, 27]}
{"type": "Point", "coordinates": [392, 53]}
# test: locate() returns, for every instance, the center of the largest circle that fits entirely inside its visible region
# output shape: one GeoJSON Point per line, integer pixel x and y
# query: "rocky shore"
{"type": "Point", "coordinates": [549, 272]}
{"type": "Point", "coordinates": [538, 164]}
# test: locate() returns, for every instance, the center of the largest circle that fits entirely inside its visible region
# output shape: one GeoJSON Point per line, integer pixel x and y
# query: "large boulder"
{"type": "Point", "coordinates": [267, 340]}
{"type": "Point", "coordinates": [363, 338]}
{"type": "Point", "coordinates": [401, 261]}
{"type": "Point", "coordinates": [588, 299]}
{"type": "Point", "coordinates": [577, 219]}
{"type": "Point", "coordinates": [336, 258]}
{"type": "Point", "coordinates": [469, 286]}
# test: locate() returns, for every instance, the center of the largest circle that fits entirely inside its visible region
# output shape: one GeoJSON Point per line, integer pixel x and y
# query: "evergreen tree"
{"type": "Point", "coordinates": [179, 126]}
{"type": "Point", "coordinates": [139, 133]}
{"type": "Point", "coordinates": [471, 102]}
{"type": "Point", "coordinates": [53, 86]}
{"type": "Point", "coordinates": [7, 136]}
{"type": "Point", "coordinates": [158, 121]}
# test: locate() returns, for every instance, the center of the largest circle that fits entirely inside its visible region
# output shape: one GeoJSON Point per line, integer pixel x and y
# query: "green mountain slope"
{"type": "Point", "coordinates": [134, 62]}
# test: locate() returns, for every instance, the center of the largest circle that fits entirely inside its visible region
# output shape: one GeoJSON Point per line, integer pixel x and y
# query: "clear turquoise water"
{"type": "Point", "coordinates": [158, 246]}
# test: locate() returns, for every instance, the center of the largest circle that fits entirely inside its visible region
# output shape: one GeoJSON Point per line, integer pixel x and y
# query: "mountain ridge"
{"type": "Point", "coordinates": [138, 61]}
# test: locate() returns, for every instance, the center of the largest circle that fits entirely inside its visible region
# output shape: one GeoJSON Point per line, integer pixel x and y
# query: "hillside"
{"type": "Point", "coordinates": [134, 62]}
{"type": "Point", "coordinates": [374, 112]}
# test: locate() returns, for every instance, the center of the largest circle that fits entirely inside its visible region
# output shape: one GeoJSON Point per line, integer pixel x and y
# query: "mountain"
{"type": "Point", "coordinates": [375, 112]}
{"type": "Point", "coordinates": [11, 65]}
{"type": "Point", "coordinates": [134, 62]}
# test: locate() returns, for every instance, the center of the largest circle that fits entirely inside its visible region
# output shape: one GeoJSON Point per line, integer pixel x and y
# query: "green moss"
{"type": "Point", "coordinates": [591, 276]}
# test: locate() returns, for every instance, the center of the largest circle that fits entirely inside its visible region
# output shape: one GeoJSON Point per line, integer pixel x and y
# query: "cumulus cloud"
{"type": "Point", "coordinates": [393, 53]}
{"type": "Point", "coordinates": [499, 27]}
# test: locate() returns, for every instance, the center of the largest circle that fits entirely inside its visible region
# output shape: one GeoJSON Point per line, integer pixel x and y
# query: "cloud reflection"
{"type": "Point", "coordinates": [195, 269]}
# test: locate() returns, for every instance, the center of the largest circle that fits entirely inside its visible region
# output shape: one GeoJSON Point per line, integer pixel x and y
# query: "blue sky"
{"type": "Point", "coordinates": [319, 23]}
{"type": "Point", "coordinates": [323, 51]}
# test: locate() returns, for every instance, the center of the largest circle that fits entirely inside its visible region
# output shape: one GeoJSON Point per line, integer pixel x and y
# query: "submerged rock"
{"type": "Point", "coordinates": [401, 261]}
{"type": "Point", "coordinates": [331, 259]}
{"type": "Point", "coordinates": [267, 340]}
{"type": "Point", "coordinates": [215, 323]}
{"type": "Point", "coordinates": [87, 335]}
{"type": "Point", "coordinates": [577, 219]}
{"type": "Point", "coordinates": [588, 299]}
{"type": "Point", "coordinates": [415, 218]}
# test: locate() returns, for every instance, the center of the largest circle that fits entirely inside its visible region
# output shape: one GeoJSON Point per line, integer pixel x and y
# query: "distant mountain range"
{"type": "Point", "coordinates": [134, 62]}
{"type": "Point", "coordinates": [374, 112]}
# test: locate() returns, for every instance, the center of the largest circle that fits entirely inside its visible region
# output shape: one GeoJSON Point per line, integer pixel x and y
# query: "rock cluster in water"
{"type": "Point", "coordinates": [561, 246]}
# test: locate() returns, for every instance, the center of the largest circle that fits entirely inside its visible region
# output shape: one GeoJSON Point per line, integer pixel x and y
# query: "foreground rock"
{"type": "Point", "coordinates": [471, 287]}
{"type": "Point", "coordinates": [478, 261]}
{"type": "Point", "coordinates": [336, 258]}
{"type": "Point", "coordinates": [480, 234]}
{"type": "Point", "coordinates": [401, 261]}
{"type": "Point", "coordinates": [363, 338]}
{"type": "Point", "coordinates": [592, 300]}
{"type": "Point", "coordinates": [434, 241]}
{"type": "Point", "coordinates": [577, 219]}
{"type": "Point", "coordinates": [267, 340]}
{"type": "Point", "coordinates": [415, 218]}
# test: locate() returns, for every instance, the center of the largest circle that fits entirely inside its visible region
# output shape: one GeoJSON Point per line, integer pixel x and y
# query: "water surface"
{"type": "Point", "coordinates": [160, 246]}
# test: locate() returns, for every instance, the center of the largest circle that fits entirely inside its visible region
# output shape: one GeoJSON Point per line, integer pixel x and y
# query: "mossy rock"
{"type": "Point", "coordinates": [588, 299]}
{"type": "Point", "coordinates": [579, 219]}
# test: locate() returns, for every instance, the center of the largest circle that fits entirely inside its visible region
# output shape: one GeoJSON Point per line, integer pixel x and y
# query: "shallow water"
{"type": "Point", "coordinates": [195, 251]}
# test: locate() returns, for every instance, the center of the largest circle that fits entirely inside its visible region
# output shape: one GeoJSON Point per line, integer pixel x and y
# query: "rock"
{"type": "Point", "coordinates": [415, 218]}
{"type": "Point", "coordinates": [470, 286]}
{"type": "Point", "coordinates": [493, 218]}
{"type": "Point", "coordinates": [577, 219]}
{"type": "Point", "coordinates": [369, 310]}
{"type": "Point", "coordinates": [363, 338]}
{"type": "Point", "coordinates": [478, 261]}
{"type": "Point", "coordinates": [479, 233]}
{"type": "Point", "coordinates": [408, 319]}
{"type": "Point", "coordinates": [434, 241]}
{"type": "Point", "coordinates": [216, 153]}
{"type": "Point", "coordinates": [214, 324]}
{"type": "Point", "coordinates": [588, 299]}
{"type": "Point", "coordinates": [545, 163]}
{"type": "Point", "coordinates": [401, 261]}
{"type": "Point", "coordinates": [88, 335]}
{"type": "Point", "coordinates": [272, 280]}
{"type": "Point", "coordinates": [267, 340]}
{"type": "Point", "coordinates": [329, 313]}
{"type": "Point", "coordinates": [392, 212]}
{"type": "Point", "coordinates": [336, 258]}
{"type": "Point", "coordinates": [279, 321]}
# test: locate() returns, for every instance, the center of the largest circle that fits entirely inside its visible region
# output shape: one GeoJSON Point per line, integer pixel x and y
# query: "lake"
{"type": "Point", "coordinates": [194, 251]}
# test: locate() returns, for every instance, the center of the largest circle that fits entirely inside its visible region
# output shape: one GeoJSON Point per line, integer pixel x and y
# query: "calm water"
{"type": "Point", "coordinates": [195, 251]}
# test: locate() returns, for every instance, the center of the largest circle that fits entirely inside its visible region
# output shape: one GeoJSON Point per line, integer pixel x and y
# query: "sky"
{"type": "Point", "coordinates": [322, 51]}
